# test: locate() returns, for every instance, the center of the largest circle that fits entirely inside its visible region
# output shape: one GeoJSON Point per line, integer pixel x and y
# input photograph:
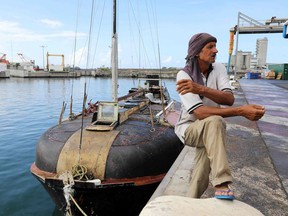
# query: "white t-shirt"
{"type": "Point", "coordinates": [217, 79]}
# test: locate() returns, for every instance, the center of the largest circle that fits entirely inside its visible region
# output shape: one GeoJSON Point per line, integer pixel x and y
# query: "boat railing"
{"type": "Point", "coordinates": [169, 108]}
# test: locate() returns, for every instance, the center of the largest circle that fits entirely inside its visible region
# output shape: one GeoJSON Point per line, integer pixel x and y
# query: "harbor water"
{"type": "Point", "coordinates": [28, 107]}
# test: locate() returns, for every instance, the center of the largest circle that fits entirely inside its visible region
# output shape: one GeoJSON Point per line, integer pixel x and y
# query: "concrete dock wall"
{"type": "Point", "coordinates": [137, 73]}
{"type": "Point", "coordinates": [104, 72]}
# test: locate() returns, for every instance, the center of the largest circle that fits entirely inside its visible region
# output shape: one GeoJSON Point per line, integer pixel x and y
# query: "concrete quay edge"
{"type": "Point", "coordinates": [257, 152]}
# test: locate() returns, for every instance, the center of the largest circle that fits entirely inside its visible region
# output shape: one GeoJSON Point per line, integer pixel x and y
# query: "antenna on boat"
{"type": "Point", "coordinates": [90, 32]}
{"type": "Point", "coordinates": [160, 72]}
{"type": "Point", "coordinates": [114, 56]}
{"type": "Point", "coordinates": [71, 114]}
{"type": "Point", "coordinates": [82, 120]}
{"type": "Point", "coordinates": [62, 112]}
{"type": "Point", "coordinates": [161, 88]}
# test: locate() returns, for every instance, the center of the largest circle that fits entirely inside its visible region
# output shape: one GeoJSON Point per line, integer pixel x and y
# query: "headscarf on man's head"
{"type": "Point", "coordinates": [196, 44]}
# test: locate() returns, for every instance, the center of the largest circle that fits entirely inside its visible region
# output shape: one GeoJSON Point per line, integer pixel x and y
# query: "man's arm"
{"type": "Point", "coordinates": [250, 111]}
{"type": "Point", "coordinates": [221, 97]}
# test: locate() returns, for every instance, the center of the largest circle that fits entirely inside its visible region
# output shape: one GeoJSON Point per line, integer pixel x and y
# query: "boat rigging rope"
{"type": "Point", "coordinates": [160, 71]}
{"type": "Point", "coordinates": [141, 37]}
{"type": "Point", "coordinates": [71, 114]}
{"type": "Point", "coordinates": [90, 31]}
{"type": "Point", "coordinates": [100, 24]}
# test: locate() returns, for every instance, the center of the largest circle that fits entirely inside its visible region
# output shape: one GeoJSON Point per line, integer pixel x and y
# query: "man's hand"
{"type": "Point", "coordinates": [185, 85]}
{"type": "Point", "coordinates": [252, 112]}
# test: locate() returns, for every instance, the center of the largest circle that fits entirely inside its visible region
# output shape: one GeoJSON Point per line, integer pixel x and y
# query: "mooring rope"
{"type": "Point", "coordinates": [79, 208]}
{"type": "Point", "coordinates": [78, 172]}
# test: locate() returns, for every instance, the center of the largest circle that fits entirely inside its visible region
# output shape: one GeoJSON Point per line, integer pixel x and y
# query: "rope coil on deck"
{"type": "Point", "coordinates": [79, 172]}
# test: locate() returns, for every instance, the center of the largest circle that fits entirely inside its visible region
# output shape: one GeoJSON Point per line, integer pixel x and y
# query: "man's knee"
{"type": "Point", "coordinates": [215, 121]}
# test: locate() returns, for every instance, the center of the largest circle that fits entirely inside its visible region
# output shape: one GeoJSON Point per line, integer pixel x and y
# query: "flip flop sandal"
{"type": "Point", "coordinates": [224, 194]}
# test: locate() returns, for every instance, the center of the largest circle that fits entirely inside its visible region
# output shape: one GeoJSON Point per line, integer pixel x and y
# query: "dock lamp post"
{"type": "Point", "coordinates": [43, 47]}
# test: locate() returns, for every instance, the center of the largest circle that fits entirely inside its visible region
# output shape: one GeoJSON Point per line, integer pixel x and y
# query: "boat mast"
{"type": "Point", "coordinates": [114, 59]}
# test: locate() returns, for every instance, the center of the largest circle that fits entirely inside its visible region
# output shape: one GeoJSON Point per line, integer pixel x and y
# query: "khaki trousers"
{"type": "Point", "coordinates": [208, 137]}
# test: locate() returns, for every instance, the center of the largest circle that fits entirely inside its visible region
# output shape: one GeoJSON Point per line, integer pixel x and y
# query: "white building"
{"type": "Point", "coordinates": [243, 60]}
{"type": "Point", "coordinates": [261, 51]}
{"type": "Point", "coordinates": [247, 61]}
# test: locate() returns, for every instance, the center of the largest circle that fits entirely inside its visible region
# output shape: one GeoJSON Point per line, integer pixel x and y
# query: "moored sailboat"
{"type": "Point", "coordinates": [109, 159]}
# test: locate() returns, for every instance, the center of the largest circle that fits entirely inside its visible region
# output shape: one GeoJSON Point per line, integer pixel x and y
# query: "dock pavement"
{"type": "Point", "coordinates": [257, 152]}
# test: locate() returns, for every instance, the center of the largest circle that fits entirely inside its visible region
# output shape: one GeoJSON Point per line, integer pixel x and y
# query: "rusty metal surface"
{"type": "Point", "coordinates": [52, 141]}
{"type": "Point", "coordinates": [138, 157]}
{"type": "Point", "coordinates": [130, 160]}
{"type": "Point", "coordinates": [139, 149]}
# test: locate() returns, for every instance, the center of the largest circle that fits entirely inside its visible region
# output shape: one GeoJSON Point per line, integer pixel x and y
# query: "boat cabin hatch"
{"type": "Point", "coordinates": [148, 83]}
{"type": "Point", "coordinates": [107, 117]}
{"type": "Point", "coordinates": [154, 89]}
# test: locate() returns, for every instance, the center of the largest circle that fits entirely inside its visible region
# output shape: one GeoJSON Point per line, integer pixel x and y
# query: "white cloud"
{"type": "Point", "coordinates": [12, 31]}
{"type": "Point", "coordinates": [51, 23]}
{"type": "Point", "coordinates": [65, 34]}
{"type": "Point", "coordinates": [167, 60]}
{"type": "Point", "coordinates": [8, 27]}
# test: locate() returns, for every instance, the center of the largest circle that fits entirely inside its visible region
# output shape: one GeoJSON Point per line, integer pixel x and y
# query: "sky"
{"type": "Point", "coordinates": [151, 34]}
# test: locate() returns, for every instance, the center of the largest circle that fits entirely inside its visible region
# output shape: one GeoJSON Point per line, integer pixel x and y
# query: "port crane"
{"type": "Point", "coordinates": [25, 59]}
{"type": "Point", "coordinates": [252, 26]}
{"type": "Point", "coordinates": [51, 67]}
{"type": "Point", "coordinates": [27, 62]}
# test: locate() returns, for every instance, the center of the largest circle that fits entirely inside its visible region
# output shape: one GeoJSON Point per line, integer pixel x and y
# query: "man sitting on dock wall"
{"type": "Point", "coordinates": [203, 86]}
